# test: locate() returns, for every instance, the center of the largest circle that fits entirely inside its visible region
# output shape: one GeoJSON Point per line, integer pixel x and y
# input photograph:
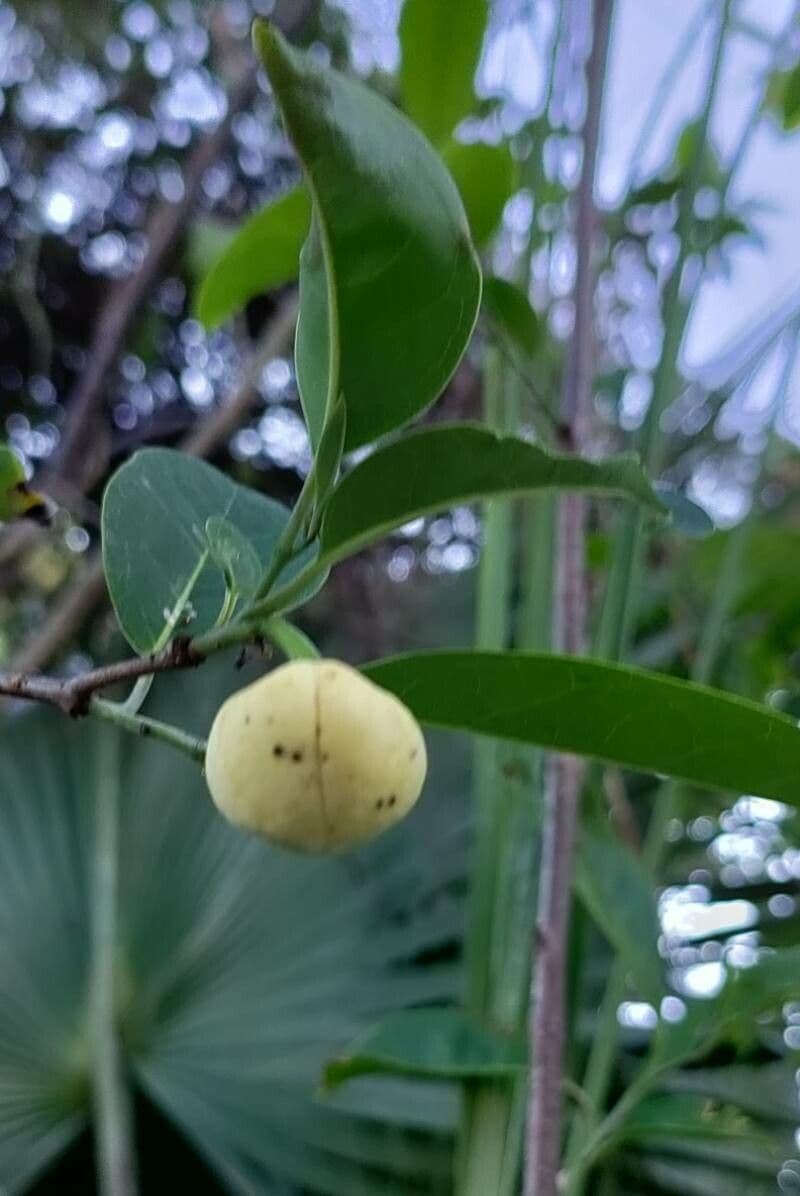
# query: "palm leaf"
{"type": "Point", "coordinates": [241, 970]}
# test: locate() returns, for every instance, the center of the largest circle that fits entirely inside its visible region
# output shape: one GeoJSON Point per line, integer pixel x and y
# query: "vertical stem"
{"type": "Point", "coordinates": [617, 610]}
{"type": "Point", "coordinates": [113, 1112]}
{"type": "Point", "coordinates": [486, 1105]}
{"type": "Point", "coordinates": [565, 773]}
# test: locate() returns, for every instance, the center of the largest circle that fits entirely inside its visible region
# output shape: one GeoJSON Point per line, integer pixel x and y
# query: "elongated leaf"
{"type": "Point", "coordinates": [615, 888]}
{"type": "Point", "coordinates": [748, 992]}
{"type": "Point", "coordinates": [510, 311]}
{"type": "Point", "coordinates": [702, 1179]}
{"type": "Point", "coordinates": [329, 452]}
{"type": "Point", "coordinates": [689, 1117]}
{"type": "Point", "coordinates": [441, 46]}
{"type": "Point", "coordinates": [631, 717]}
{"type": "Point", "coordinates": [234, 555]}
{"type": "Point", "coordinates": [438, 467]}
{"type": "Point", "coordinates": [264, 254]}
{"type": "Point", "coordinates": [485, 177]}
{"type": "Point", "coordinates": [158, 563]}
{"type": "Point", "coordinates": [431, 1043]}
{"type": "Point", "coordinates": [390, 284]}
{"type": "Point", "coordinates": [770, 1091]}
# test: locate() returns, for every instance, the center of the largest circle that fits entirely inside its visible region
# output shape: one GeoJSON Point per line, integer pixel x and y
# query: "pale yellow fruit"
{"type": "Point", "coordinates": [315, 757]}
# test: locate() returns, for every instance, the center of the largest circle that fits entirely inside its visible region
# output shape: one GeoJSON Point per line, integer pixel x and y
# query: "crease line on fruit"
{"type": "Point", "coordinates": [318, 761]}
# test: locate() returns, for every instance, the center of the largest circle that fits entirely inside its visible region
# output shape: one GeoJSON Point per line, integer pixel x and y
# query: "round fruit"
{"type": "Point", "coordinates": [315, 757]}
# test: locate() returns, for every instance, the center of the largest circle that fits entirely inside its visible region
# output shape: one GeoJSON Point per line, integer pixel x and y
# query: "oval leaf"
{"type": "Point", "coordinates": [438, 467]}
{"type": "Point", "coordinates": [391, 286]}
{"type": "Point", "coordinates": [158, 564]}
{"type": "Point", "coordinates": [264, 254]}
{"type": "Point", "coordinates": [485, 176]}
{"type": "Point", "coordinates": [614, 886]}
{"type": "Point", "coordinates": [508, 308]}
{"type": "Point", "coordinates": [440, 1044]}
{"type": "Point", "coordinates": [641, 720]}
{"type": "Point", "coordinates": [441, 47]}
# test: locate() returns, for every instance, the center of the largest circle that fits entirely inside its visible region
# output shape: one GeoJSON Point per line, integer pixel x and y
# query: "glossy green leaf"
{"type": "Point", "coordinates": [156, 555]}
{"type": "Point", "coordinates": [329, 452]}
{"type": "Point", "coordinates": [508, 308]}
{"type": "Point", "coordinates": [642, 720]}
{"type": "Point", "coordinates": [437, 467]}
{"type": "Point", "coordinates": [390, 283]}
{"type": "Point", "coordinates": [614, 886]}
{"type": "Point", "coordinates": [441, 46]}
{"type": "Point", "coordinates": [432, 1043]}
{"type": "Point", "coordinates": [264, 254]}
{"type": "Point", "coordinates": [234, 556]}
{"type": "Point", "coordinates": [485, 176]}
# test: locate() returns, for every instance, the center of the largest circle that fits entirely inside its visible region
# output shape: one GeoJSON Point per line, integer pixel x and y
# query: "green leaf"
{"type": "Point", "coordinates": [329, 453]}
{"type": "Point", "coordinates": [441, 48]}
{"type": "Point", "coordinates": [437, 467]}
{"type": "Point", "coordinates": [642, 720]}
{"type": "Point", "coordinates": [665, 1116]}
{"type": "Point", "coordinates": [688, 518]}
{"type": "Point", "coordinates": [390, 285]}
{"type": "Point", "coordinates": [156, 554]}
{"type": "Point", "coordinates": [264, 254]}
{"type": "Point", "coordinates": [435, 1044]}
{"type": "Point", "coordinates": [242, 970]}
{"type": "Point", "coordinates": [234, 555]}
{"type": "Point", "coordinates": [783, 97]}
{"type": "Point", "coordinates": [614, 886]}
{"type": "Point", "coordinates": [747, 993]}
{"type": "Point", "coordinates": [485, 176]}
{"type": "Point", "coordinates": [768, 1091]}
{"type": "Point", "coordinates": [508, 308]}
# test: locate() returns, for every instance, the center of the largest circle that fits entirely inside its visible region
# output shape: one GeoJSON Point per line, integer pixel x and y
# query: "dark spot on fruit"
{"type": "Point", "coordinates": [325, 757]}
{"type": "Point", "coordinates": [297, 757]}
{"type": "Point", "coordinates": [247, 720]}
{"type": "Point", "coordinates": [277, 750]}
{"type": "Point", "coordinates": [379, 804]}
{"type": "Point", "coordinates": [391, 801]}
{"type": "Point", "coordinates": [413, 754]}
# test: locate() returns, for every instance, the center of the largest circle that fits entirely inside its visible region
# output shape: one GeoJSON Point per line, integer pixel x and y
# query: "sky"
{"type": "Point", "coordinates": [646, 36]}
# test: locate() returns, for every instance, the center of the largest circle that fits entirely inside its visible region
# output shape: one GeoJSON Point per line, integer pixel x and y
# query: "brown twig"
{"type": "Point", "coordinates": [72, 695]}
{"type": "Point", "coordinates": [565, 774]}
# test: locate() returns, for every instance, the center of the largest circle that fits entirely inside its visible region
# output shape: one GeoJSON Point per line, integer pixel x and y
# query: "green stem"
{"type": "Point", "coordinates": [485, 1111]}
{"type": "Point", "coordinates": [113, 1111]}
{"type": "Point", "coordinates": [294, 643]}
{"type": "Point", "coordinates": [114, 712]}
{"type": "Point", "coordinates": [286, 549]}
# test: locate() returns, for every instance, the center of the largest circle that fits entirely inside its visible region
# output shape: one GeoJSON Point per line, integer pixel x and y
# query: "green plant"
{"type": "Point", "coordinates": [384, 237]}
